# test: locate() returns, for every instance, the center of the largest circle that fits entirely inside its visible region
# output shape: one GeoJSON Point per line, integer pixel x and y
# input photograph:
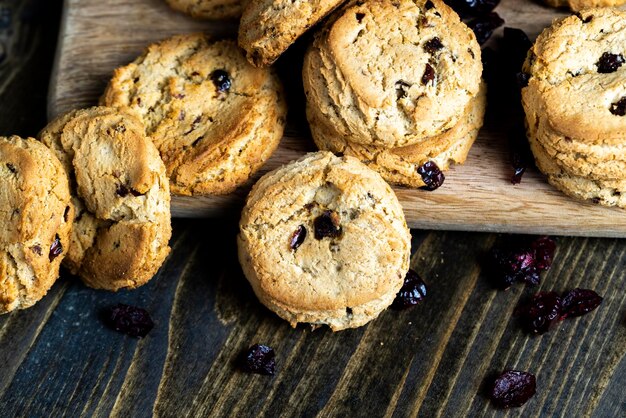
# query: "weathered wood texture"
{"type": "Point", "coordinates": [98, 36]}
{"type": "Point", "coordinates": [57, 359]}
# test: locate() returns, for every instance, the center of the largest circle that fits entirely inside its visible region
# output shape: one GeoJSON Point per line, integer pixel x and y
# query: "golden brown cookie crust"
{"type": "Point", "coordinates": [36, 217]}
{"type": "Point", "coordinates": [121, 193]}
{"type": "Point", "coordinates": [342, 281]}
{"type": "Point", "coordinates": [578, 5]}
{"type": "Point", "coordinates": [208, 9]}
{"type": "Point", "coordinates": [211, 139]}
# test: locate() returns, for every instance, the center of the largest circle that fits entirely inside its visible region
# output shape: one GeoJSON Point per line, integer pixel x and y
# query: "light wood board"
{"type": "Point", "coordinates": [97, 36]}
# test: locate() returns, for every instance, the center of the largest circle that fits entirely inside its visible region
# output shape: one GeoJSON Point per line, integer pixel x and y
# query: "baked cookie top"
{"type": "Point", "coordinates": [578, 77]}
{"type": "Point", "coordinates": [393, 73]}
{"type": "Point", "coordinates": [214, 118]}
{"type": "Point", "coordinates": [269, 27]}
{"type": "Point", "coordinates": [121, 192]}
{"type": "Point", "coordinates": [208, 9]}
{"type": "Point", "coordinates": [36, 218]}
{"type": "Point", "coordinates": [324, 234]}
{"type": "Point", "coordinates": [577, 5]}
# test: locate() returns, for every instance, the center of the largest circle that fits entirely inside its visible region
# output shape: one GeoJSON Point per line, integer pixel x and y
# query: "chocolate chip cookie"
{"type": "Point", "coordinates": [323, 240]}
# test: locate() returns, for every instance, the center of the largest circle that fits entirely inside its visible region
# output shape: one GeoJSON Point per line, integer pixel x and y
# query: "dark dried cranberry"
{"type": "Point", "coordinates": [429, 74]}
{"type": "Point", "coordinates": [429, 5]}
{"type": "Point", "coordinates": [472, 7]}
{"type": "Point", "coordinates": [513, 388]}
{"type": "Point", "coordinates": [327, 225]}
{"type": "Point", "coordinates": [609, 63]}
{"type": "Point", "coordinates": [130, 320]}
{"type": "Point", "coordinates": [11, 168]}
{"type": "Point", "coordinates": [431, 175]}
{"type": "Point", "coordinates": [298, 237]}
{"type": "Point", "coordinates": [522, 79]}
{"type": "Point", "coordinates": [523, 263]}
{"type": "Point", "coordinates": [515, 46]}
{"type": "Point", "coordinates": [359, 17]}
{"type": "Point", "coordinates": [619, 108]}
{"type": "Point", "coordinates": [413, 291]}
{"type": "Point", "coordinates": [56, 249]}
{"type": "Point", "coordinates": [433, 45]}
{"type": "Point", "coordinates": [544, 248]}
{"type": "Point", "coordinates": [37, 249]}
{"type": "Point", "coordinates": [541, 312]}
{"type": "Point", "coordinates": [221, 79]}
{"type": "Point", "coordinates": [484, 26]}
{"type": "Point", "coordinates": [260, 359]}
{"type": "Point", "coordinates": [402, 87]}
{"type": "Point", "coordinates": [123, 191]}
{"type": "Point", "coordinates": [578, 302]}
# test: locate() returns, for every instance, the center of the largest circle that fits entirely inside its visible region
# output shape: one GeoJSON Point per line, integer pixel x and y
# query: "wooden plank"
{"type": "Point", "coordinates": [99, 36]}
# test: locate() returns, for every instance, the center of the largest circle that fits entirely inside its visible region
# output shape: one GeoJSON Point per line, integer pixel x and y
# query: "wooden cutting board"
{"type": "Point", "coordinates": [98, 36]}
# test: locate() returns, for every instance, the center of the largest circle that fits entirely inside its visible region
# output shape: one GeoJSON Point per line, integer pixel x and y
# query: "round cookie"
{"type": "Point", "coordinates": [323, 240]}
{"type": "Point", "coordinates": [269, 27]}
{"type": "Point", "coordinates": [36, 214]}
{"type": "Point", "coordinates": [121, 193]}
{"type": "Point", "coordinates": [607, 193]}
{"type": "Point", "coordinates": [577, 5]}
{"type": "Point", "coordinates": [399, 165]}
{"type": "Point", "coordinates": [214, 118]}
{"type": "Point", "coordinates": [577, 76]}
{"type": "Point", "coordinates": [392, 73]}
{"type": "Point", "coordinates": [208, 9]}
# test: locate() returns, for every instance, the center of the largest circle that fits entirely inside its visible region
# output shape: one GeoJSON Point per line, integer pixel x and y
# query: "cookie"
{"type": "Point", "coordinates": [208, 9]}
{"type": "Point", "coordinates": [121, 193]}
{"type": "Point", "coordinates": [392, 73]}
{"type": "Point", "coordinates": [36, 217]}
{"type": "Point", "coordinates": [399, 165]}
{"type": "Point", "coordinates": [323, 240]}
{"type": "Point", "coordinates": [577, 76]}
{"type": "Point", "coordinates": [607, 192]}
{"type": "Point", "coordinates": [269, 27]}
{"type": "Point", "coordinates": [577, 5]}
{"type": "Point", "coordinates": [214, 118]}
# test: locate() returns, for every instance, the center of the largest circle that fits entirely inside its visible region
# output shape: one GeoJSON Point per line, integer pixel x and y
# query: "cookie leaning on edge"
{"type": "Point", "coordinates": [578, 5]}
{"type": "Point", "coordinates": [323, 240]}
{"type": "Point", "coordinates": [35, 214]}
{"type": "Point", "coordinates": [121, 193]}
{"type": "Point", "coordinates": [392, 73]}
{"type": "Point", "coordinates": [214, 118]}
{"type": "Point", "coordinates": [208, 9]}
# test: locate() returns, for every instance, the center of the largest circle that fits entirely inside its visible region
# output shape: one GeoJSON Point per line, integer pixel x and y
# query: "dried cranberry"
{"type": "Point", "coordinates": [130, 320]}
{"type": "Point", "coordinates": [327, 225]}
{"type": "Point", "coordinates": [619, 108]}
{"type": "Point", "coordinates": [431, 175]}
{"type": "Point", "coordinates": [513, 388]}
{"type": "Point", "coordinates": [472, 7]}
{"type": "Point", "coordinates": [523, 263]}
{"type": "Point", "coordinates": [402, 87]}
{"type": "Point", "coordinates": [515, 46]}
{"type": "Point", "coordinates": [11, 168]}
{"type": "Point", "coordinates": [429, 5]}
{"type": "Point", "coordinates": [484, 26]}
{"type": "Point", "coordinates": [36, 249]}
{"type": "Point", "coordinates": [221, 79]}
{"type": "Point", "coordinates": [260, 359]}
{"type": "Point", "coordinates": [541, 312]}
{"type": "Point", "coordinates": [578, 302]}
{"type": "Point", "coordinates": [429, 74]}
{"type": "Point", "coordinates": [413, 291]}
{"type": "Point", "coordinates": [56, 249]}
{"type": "Point", "coordinates": [609, 63]}
{"type": "Point", "coordinates": [298, 237]}
{"type": "Point", "coordinates": [433, 45]}
{"type": "Point", "coordinates": [544, 248]}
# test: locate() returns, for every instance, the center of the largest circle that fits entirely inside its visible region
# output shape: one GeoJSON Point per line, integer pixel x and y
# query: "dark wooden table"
{"type": "Point", "coordinates": [58, 359]}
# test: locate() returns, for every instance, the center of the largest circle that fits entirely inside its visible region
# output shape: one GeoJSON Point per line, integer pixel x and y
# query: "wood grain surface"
{"type": "Point", "coordinates": [57, 358]}
{"type": "Point", "coordinates": [98, 36]}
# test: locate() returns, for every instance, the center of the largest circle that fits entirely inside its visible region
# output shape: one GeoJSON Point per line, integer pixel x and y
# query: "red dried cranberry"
{"type": "Point", "coordinates": [298, 237]}
{"type": "Point", "coordinates": [327, 225]}
{"type": "Point", "coordinates": [544, 248]}
{"type": "Point", "coordinates": [221, 79]}
{"type": "Point", "coordinates": [609, 63]}
{"type": "Point", "coordinates": [541, 312]}
{"type": "Point", "coordinates": [56, 249]}
{"type": "Point", "coordinates": [433, 45]}
{"type": "Point", "coordinates": [523, 263]}
{"type": "Point", "coordinates": [513, 388]}
{"type": "Point", "coordinates": [429, 74]}
{"type": "Point", "coordinates": [484, 26]}
{"type": "Point", "coordinates": [431, 175]}
{"type": "Point", "coordinates": [260, 359]}
{"type": "Point", "coordinates": [619, 108]}
{"type": "Point", "coordinates": [578, 302]}
{"type": "Point", "coordinates": [412, 292]}
{"type": "Point", "coordinates": [472, 7]}
{"type": "Point", "coordinates": [130, 320]}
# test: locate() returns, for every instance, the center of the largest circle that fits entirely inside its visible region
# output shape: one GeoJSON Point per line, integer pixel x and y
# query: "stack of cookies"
{"type": "Point", "coordinates": [575, 105]}
{"type": "Point", "coordinates": [396, 84]}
